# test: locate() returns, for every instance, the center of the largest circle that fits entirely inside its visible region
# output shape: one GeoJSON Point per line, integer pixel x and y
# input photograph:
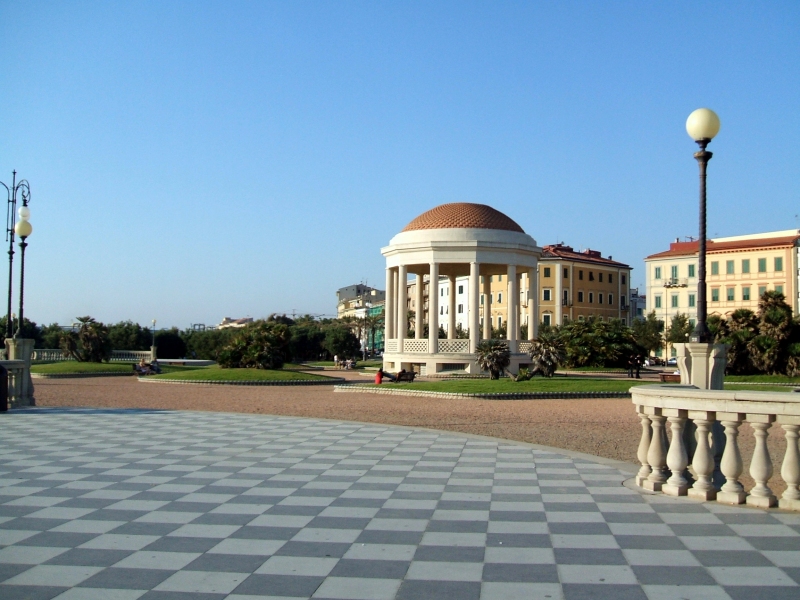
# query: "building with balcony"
{"type": "Point", "coordinates": [739, 270]}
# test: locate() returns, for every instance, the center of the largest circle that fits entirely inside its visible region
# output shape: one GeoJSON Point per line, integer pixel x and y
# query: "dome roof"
{"type": "Point", "coordinates": [463, 215]}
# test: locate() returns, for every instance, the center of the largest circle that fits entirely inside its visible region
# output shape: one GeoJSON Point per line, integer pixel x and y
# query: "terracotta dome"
{"type": "Point", "coordinates": [463, 215]}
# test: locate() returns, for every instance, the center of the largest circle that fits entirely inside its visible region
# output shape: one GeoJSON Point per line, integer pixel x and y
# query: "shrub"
{"type": "Point", "coordinates": [89, 344]}
{"type": "Point", "coordinates": [493, 356]}
{"type": "Point", "coordinates": [260, 345]}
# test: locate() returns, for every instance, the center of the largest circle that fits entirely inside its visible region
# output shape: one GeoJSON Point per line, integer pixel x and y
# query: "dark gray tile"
{"type": "Point", "coordinates": [580, 528]}
{"type": "Point", "coordinates": [520, 573]}
{"type": "Point", "coordinates": [15, 511]}
{"type": "Point", "coordinates": [127, 579]}
{"type": "Point", "coordinates": [86, 557]}
{"type": "Point", "coordinates": [460, 505]}
{"type": "Point", "coordinates": [518, 540]}
{"type": "Point", "coordinates": [670, 575]}
{"type": "Point", "coordinates": [233, 563]}
{"type": "Point", "coordinates": [621, 517]}
{"type": "Point", "coordinates": [679, 507]}
{"type": "Point", "coordinates": [449, 553]}
{"type": "Point", "coordinates": [153, 595]}
{"type": "Point", "coordinates": [302, 511]}
{"type": "Point", "coordinates": [697, 529]}
{"type": "Point", "coordinates": [139, 528]}
{"type": "Point", "coordinates": [580, 591]}
{"type": "Point", "coordinates": [7, 571]}
{"type": "Point", "coordinates": [223, 519]}
{"type": "Point", "coordinates": [589, 556]}
{"type": "Point", "coordinates": [55, 539]}
{"type": "Point", "coordinates": [182, 544]}
{"type": "Point", "coordinates": [751, 592]}
{"type": "Point", "coordinates": [458, 526]}
{"type": "Point", "coordinates": [253, 532]}
{"type": "Point", "coordinates": [439, 590]}
{"type": "Point", "coordinates": [338, 523]}
{"type": "Point", "coordinates": [34, 524]}
{"type": "Point", "coordinates": [195, 507]}
{"type": "Point", "coordinates": [279, 585]}
{"type": "Point", "coordinates": [518, 516]}
{"type": "Point", "coordinates": [786, 544]}
{"type": "Point", "coordinates": [416, 496]}
{"type": "Point", "coordinates": [314, 549]}
{"type": "Point", "coordinates": [584, 507]}
{"type": "Point", "coordinates": [649, 542]}
{"type": "Point", "coordinates": [29, 592]}
{"type": "Point", "coordinates": [95, 503]}
{"type": "Point", "coordinates": [731, 558]}
{"type": "Point", "coordinates": [747, 518]}
{"type": "Point", "coordinates": [383, 569]}
{"type": "Point", "coordinates": [401, 513]}
{"type": "Point", "coordinates": [389, 537]}
{"type": "Point", "coordinates": [106, 514]}
{"type": "Point", "coordinates": [793, 572]}
{"type": "Point", "coordinates": [617, 499]}
{"type": "Point", "coordinates": [359, 502]}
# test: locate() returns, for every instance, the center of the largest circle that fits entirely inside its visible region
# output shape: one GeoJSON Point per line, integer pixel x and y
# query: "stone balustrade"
{"type": "Point", "coordinates": [18, 392]}
{"type": "Point", "coordinates": [413, 345]}
{"type": "Point", "coordinates": [454, 346]}
{"type": "Point", "coordinates": [56, 355]}
{"type": "Point", "coordinates": [685, 464]}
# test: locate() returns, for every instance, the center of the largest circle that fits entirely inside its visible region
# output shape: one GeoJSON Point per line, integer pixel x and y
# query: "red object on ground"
{"type": "Point", "coordinates": [378, 378]}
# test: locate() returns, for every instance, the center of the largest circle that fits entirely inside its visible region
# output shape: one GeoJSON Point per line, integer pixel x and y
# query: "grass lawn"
{"type": "Point", "coordinates": [218, 374]}
{"type": "Point", "coordinates": [506, 386]}
{"type": "Point", "coordinates": [359, 365]}
{"type": "Point", "coordinates": [73, 366]}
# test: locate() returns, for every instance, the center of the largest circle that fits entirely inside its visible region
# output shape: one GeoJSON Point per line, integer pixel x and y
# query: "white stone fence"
{"type": "Point", "coordinates": [698, 413]}
{"type": "Point", "coordinates": [18, 382]}
{"type": "Point", "coordinates": [56, 355]}
{"type": "Point", "coordinates": [445, 346]}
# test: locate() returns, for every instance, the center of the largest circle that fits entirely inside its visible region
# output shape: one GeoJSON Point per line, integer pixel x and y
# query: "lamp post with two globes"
{"type": "Point", "coordinates": [702, 125]}
{"type": "Point", "coordinates": [22, 188]}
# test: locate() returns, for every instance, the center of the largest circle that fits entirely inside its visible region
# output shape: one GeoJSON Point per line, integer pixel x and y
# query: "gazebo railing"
{"type": "Point", "coordinates": [453, 346]}
{"type": "Point", "coordinates": [664, 463]}
{"type": "Point", "coordinates": [414, 345]}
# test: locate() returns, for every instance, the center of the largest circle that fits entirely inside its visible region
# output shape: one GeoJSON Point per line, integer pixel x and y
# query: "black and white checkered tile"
{"type": "Point", "coordinates": [121, 505]}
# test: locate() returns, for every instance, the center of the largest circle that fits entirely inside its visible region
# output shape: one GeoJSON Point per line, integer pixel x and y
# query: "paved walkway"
{"type": "Point", "coordinates": [119, 505]}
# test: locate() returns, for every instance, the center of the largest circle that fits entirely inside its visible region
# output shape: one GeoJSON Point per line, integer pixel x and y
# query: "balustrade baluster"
{"type": "Point", "coordinates": [676, 457]}
{"type": "Point", "coordinates": [731, 465]}
{"type": "Point", "coordinates": [761, 464]}
{"type": "Point", "coordinates": [656, 455]}
{"type": "Point", "coordinates": [790, 470]}
{"type": "Point", "coordinates": [644, 447]}
{"type": "Point", "coordinates": [703, 459]}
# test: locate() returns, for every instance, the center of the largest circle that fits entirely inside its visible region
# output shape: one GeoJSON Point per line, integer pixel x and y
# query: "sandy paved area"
{"type": "Point", "coordinates": [603, 427]}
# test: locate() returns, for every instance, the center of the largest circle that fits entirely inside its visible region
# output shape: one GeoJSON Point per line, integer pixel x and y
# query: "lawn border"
{"type": "Point", "coordinates": [363, 389]}
{"type": "Point", "coordinates": [328, 381]}
{"type": "Point", "coordinates": [79, 375]}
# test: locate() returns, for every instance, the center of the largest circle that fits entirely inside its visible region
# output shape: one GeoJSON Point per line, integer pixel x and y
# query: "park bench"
{"type": "Point", "coordinates": [407, 376]}
{"type": "Point", "coordinates": [669, 378]}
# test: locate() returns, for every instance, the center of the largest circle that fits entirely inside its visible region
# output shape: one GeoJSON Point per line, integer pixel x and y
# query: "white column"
{"type": "Point", "coordinates": [451, 309]}
{"type": "Point", "coordinates": [402, 305]}
{"type": "Point", "coordinates": [518, 312]}
{"type": "Point", "coordinates": [474, 306]}
{"type": "Point", "coordinates": [387, 307]}
{"type": "Point", "coordinates": [513, 309]}
{"type": "Point", "coordinates": [419, 325]}
{"type": "Point", "coordinates": [533, 304]}
{"type": "Point", "coordinates": [487, 308]}
{"type": "Point", "coordinates": [395, 280]}
{"type": "Point", "coordinates": [433, 310]}
{"type": "Point", "coordinates": [559, 312]}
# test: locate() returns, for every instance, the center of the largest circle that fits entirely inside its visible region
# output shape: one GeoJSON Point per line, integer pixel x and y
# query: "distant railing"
{"type": "Point", "coordinates": [453, 346]}
{"type": "Point", "coordinates": [56, 355]}
{"type": "Point", "coordinates": [525, 347]}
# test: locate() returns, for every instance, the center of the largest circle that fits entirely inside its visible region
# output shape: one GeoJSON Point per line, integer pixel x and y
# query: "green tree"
{"type": "Point", "coordinates": [127, 335]}
{"type": "Point", "coordinates": [30, 330]}
{"type": "Point", "coordinates": [170, 344]}
{"type": "Point", "coordinates": [679, 329]}
{"type": "Point", "coordinates": [89, 344]}
{"type": "Point", "coordinates": [647, 332]}
{"type": "Point", "coordinates": [546, 353]}
{"type": "Point", "coordinates": [341, 341]}
{"type": "Point", "coordinates": [493, 356]}
{"type": "Point", "coordinates": [207, 344]}
{"type": "Point", "coordinates": [737, 332]}
{"type": "Point", "coordinates": [259, 345]}
{"type": "Point", "coordinates": [50, 336]}
{"type": "Point", "coordinates": [769, 350]}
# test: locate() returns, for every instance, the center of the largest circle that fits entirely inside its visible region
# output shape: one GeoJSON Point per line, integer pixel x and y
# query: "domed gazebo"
{"type": "Point", "coordinates": [456, 240]}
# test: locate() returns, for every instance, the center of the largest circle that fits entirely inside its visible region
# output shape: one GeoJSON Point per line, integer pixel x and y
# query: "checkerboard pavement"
{"type": "Point", "coordinates": [124, 505]}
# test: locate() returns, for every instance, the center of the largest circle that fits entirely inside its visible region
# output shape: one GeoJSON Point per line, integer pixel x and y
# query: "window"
{"type": "Point", "coordinates": [692, 301]}
{"type": "Point", "coordinates": [580, 318]}
{"type": "Point", "coordinates": [481, 278]}
{"type": "Point", "coordinates": [546, 295]}
{"type": "Point", "coordinates": [779, 289]}
{"type": "Point", "coordinates": [500, 278]}
{"type": "Point", "coordinates": [547, 271]}
{"type": "Point", "coordinates": [692, 322]}
{"type": "Point", "coordinates": [673, 271]}
{"type": "Point", "coordinates": [715, 268]}
{"type": "Point", "coordinates": [600, 277]}
{"type": "Point", "coordinates": [674, 301]}
{"type": "Point", "coordinates": [731, 294]}
{"type": "Point", "coordinates": [580, 296]}
{"type": "Point", "coordinates": [600, 298]}
{"type": "Point", "coordinates": [481, 299]}
{"type": "Point", "coordinates": [691, 271]}
{"type": "Point", "coordinates": [715, 294]}
{"type": "Point", "coordinates": [762, 265]}
{"type": "Point", "coordinates": [761, 290]}
{"type": "Point", "coordinates": [491, 298]}
{"type": "Point", "coordinates": [658, 301]}
{"type": "Point", "coordinates": [580, 275]}
{"type": "Point", "coordinates": [461, 289]}
{"type": "Point", "coordinates": [729, 267]}
{"type": "Point", "coordinates": [491, 278]}
{"type": "Point", "coordinates": [566, 273]}
{"type": "Point", "coordinates": [746, 265]}
{"type": "Point", "coordinates": [546, 319]}
{"type": "Point", "coordinates": [499, 322]}
{"type": "Point", "coordinates": [779, 263]}
{"type": "Point", "coordinates": [441, 292]}
{"type": "Point", "coordinates": [591, 276]}
{"type": "Point", "coordinates": [746, 293]}
{"type": "Point", "coordinates": [611, 298]}
{"type": "Point", "coordinates": [657, 273]}
{"type": "Point", "coordinates": [610, 278]}
{"type": "Point", "coordinates": [500, 297]}
{"type": "Point", "coordinates": [624, 279]}
{"type": "Point", "coordinates": [591, 297]}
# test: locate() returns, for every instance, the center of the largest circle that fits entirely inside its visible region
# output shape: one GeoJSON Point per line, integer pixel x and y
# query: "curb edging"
{"type": "Point", "coordinates": [333, 381]}
{"type": "Point", "coordinates": [483, 396]}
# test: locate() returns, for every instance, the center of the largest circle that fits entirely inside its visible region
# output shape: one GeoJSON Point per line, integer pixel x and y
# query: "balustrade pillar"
{"type": "Point", "coordinates": [731, 465]}
{"type": "Point", "coordinates": [677, 485]}
{"type": "Point", "coordinates": [644, 447]}
{"type": "Point", "coordinates": [703, 459]}
{"type": "Point", "coordinates": [790, 470]}
{"type": "Point", "coordinates": [656, 454]}
{"type": "Point", "coordinates": [761, 464]}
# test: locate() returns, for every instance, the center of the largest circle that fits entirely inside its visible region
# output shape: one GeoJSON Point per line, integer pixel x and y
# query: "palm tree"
{"type": "Point", "coordinates": [546, 352]}
{"type": "Point", "coordinates": [373, 323]}
{"type": "Point", "coordinates": [493, 356]}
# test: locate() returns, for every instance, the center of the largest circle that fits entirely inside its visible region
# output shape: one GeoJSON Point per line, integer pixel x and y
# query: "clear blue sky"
{"type": "Point", "coordinates": [194, 160]}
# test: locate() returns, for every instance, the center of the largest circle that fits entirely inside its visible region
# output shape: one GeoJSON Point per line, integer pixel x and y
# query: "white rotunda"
{"type": "Point", "coordinates": [456, 240]}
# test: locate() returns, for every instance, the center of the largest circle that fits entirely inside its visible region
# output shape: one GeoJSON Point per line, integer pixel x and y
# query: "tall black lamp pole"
{"type": "Point", "coordinates": [702, 125]}
{"type": "Point", "coordinates": [23, 229]}
{"type": "Point", "coordinates": [24, 191]}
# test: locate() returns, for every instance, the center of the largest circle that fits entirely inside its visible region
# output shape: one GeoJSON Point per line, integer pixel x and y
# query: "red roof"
{"type": "Point", "coordinates": [691, 248]}
{"type": "Point", "coordinates": [458, 215]}
{"type": "Point", "coordinates": [556, 251]}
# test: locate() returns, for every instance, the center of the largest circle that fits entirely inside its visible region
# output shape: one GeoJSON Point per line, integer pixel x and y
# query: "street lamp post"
{"type": "Point", "coordinates": [23, 229]}
{"type": "Point", "coordinates": [154, 332]}
{"type": "Point", "coordinates": [702, 125]}
{"type": "Point", "coordinates": [24, 191]}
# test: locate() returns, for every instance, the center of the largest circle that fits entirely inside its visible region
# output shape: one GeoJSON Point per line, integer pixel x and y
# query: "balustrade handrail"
{"type": "Point", "coordinates": [712, 418]}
